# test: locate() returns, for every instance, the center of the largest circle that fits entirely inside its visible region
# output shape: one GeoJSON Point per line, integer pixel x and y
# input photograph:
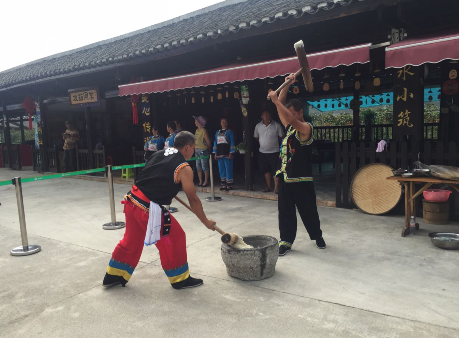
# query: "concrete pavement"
{"type": "Point", "coordinates": [369, 282]}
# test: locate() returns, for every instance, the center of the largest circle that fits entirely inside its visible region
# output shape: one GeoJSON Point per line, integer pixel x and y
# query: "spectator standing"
{"type": "Point", "coordinates": [224, 150]}
{"type": "Point", "coordinates": [71, 138]}
{"type": "Point", "coordinates": [153, 144]}
{"type": "Point", "coordinates": [202, 147]}
{"type": "Point", "coordinates": [268, 133]}
{"type": "Point", "coordinates": [172, 133]}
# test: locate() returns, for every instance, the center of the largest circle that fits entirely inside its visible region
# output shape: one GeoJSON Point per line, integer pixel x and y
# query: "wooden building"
{"type": "Point", "coordinates": [196, 65]}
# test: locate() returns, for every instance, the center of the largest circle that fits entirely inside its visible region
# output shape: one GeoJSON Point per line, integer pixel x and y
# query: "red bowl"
{"type": "Point", "coordinates": [436, 195]}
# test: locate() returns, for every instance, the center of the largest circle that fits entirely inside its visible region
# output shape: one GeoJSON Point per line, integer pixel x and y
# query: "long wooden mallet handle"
{"type": "Point", "coordinates": [189, 208]}
{"type": "Point", "coordinates": [304, 64]}
{"type": "Point", "coordinates": [288, 82]}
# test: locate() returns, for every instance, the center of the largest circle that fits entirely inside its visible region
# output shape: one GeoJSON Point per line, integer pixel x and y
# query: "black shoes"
{"type": "Point", "coordinates": [110, 280]}
{"type": "Point", "coordinates": [321, 243]}
{"type": "Point", "coordinates": [283, 249]}
{"type": "Point", "coordinates": [190, 282]}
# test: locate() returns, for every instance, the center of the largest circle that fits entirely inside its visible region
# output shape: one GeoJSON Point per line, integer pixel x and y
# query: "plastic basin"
{"type": "Point", "coordinates": [436, 195]}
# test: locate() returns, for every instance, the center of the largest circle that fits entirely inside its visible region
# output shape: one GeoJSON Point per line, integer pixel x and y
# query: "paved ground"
{"type": "Point", "coordinates": [369, 282]}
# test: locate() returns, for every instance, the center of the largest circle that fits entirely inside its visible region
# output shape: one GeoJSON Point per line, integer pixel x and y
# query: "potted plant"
{"type": "Point", "coordinates": [242, 148]}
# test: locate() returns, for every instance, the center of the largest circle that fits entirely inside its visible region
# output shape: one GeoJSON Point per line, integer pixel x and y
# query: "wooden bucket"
{"type": "Point", "coordinates": [435, 212]}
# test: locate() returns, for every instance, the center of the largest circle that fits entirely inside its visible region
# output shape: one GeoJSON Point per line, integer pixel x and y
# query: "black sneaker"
{"type": "Point", "coordinates": [190, 282]}
{"type": "Point", "coordinates": [321, 243]}
{"type": "Point", "coordinates": [110, 280]}
{"type": "Point", "coordinates": [223, 188]}
{"type": "Point", "coordinates": [283, 249]}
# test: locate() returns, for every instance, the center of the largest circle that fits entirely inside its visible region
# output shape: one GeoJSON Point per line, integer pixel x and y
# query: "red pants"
{"type": "Point", "coordinates": [172, 248]}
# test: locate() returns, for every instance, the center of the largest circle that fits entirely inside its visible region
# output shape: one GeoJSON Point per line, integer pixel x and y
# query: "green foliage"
{"type": "Point", "coordinates": [382, 115]}
{"type": "Point", "coordinates": [241, 146]}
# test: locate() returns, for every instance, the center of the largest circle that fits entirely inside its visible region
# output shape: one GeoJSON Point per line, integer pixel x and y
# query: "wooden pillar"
{"type": "Point", "coordinates": [44, 133]}
{"type": "Point", "coordinates": [409, 106]}
{"type": "Point", "coordinates": [21, 126]}
{"type": "Point", "coordinates": [248, 139]}
{"type": "Point", "coordinates": [356, 116]}
{"type": "Point", "coordinates": [87, 115]}
{"type": "Point", "coordinates": [449, 120]}
{"type": "Point", "coordinates": [7, 133]}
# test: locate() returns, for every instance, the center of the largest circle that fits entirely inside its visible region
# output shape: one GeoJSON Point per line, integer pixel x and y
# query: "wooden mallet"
{"type": "Point", "coordinates": [304, 70]}
{"type": "Point", "coordinates": [227, 237]}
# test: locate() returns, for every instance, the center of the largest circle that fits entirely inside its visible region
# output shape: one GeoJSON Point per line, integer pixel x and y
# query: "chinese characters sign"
{"type": "Point", "coordinates": [84, 97]}
{"type": "Point", "coordinates": [408, 105]}
{"type": "Point", "coordinates": [145, 117]}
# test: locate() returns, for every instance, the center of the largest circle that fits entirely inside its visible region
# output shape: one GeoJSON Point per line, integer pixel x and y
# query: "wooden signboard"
{"type": "Point", "coordinates": [145, 116]}
{"type": "Point", "coordinates": [84, 97]}
{"type": "Point", "coordinates": [408, 101]}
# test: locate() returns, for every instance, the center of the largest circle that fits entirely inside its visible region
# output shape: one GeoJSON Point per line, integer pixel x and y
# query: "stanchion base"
{"type": "Point", "coordinates": [113, 226]}
{"type": "Point", "coordinates": [213, 199]}
{"type": "Point", "coordinates": [172, 210]}
{"type": "Point", "coordinates": [25, 250]}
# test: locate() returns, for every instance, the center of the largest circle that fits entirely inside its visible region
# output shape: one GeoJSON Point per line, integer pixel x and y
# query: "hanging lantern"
{"type": "Point", "coordinates": [192, 100]}
{"type": "Point", "coordinates": [326, 87]}
{"type": "Point", "coordinates": [342, 74]}
{"type": "Point", "coordinates": [219, 96]}
{"type": "Point", "coordinates": [135, 115]}
{"type": "Point", "coordinates": [29, 106]}
{"type": "Point", "coordinates": [341, 85]}
{"type": "Point", "coordinates": [236, 95]}
{"type": "Point", "coordinates": [227, 94]}
{"type": "Point", "coordinates": [376, 82]}
{"type": "Point", "coordinates": [296, 90]}
{"type": "Point", "coordinates": [211, 99]}
{"type": "Point", "coordinates": [357, 73]}
{"type": "Point", "coordinates": [357, 85]}
{"type": "Point", "coordinates": [202, 99]}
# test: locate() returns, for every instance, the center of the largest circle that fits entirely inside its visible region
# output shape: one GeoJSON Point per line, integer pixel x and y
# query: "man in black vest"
{"type": "Point", "coordinates": [149, 222]}
{"type": "Point", "coordinates": [296, 187]}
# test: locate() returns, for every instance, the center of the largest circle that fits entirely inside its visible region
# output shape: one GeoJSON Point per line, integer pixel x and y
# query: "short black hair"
{"type": "Point", "coordinates": [171, 124]}
{"type": "Point", "coordinates": [183, 139]}
{"type": "Point", "coordinates": [154, 127]}
{"type": "Point", "coordinates": [296, 104]}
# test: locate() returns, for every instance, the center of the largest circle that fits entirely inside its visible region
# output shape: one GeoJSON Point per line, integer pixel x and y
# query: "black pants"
{"type": "Point", "coordinates": [69, 160]}
{"type": "Point", "coordinates": [303, 196]}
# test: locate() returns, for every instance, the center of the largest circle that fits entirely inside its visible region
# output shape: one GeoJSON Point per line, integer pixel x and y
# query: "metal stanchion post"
{"type": "Point", "coordinates": [25, 249]}
{"type": "Point", "coordinates": [113, 224]}
{"type": "Point", "coordinates": [212, 197]}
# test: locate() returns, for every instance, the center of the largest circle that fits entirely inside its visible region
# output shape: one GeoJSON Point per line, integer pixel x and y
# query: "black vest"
{"type": "Point", "coordinates": [295, 158]}
{"type": "Point", "coordinates": [223, 143]}
{"type": "Point", "coordinates": [157, 180]}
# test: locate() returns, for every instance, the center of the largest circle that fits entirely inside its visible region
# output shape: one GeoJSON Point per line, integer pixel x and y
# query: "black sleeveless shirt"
{"type": "Point", "coordinates": [158, 180]}
{"type": "Point", "coordinates": [295, 157]}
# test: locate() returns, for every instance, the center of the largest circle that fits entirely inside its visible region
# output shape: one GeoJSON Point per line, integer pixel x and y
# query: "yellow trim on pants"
{"type": "Point", "coordinates": [179, 278]}
{"type": "Point", "coordinates": [117, 272]}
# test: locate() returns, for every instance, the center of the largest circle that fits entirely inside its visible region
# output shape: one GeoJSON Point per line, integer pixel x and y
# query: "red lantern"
{"type": "Point", "coordinates": [135, 115]}
{"type": "Point", "coordinates": [29, 106]}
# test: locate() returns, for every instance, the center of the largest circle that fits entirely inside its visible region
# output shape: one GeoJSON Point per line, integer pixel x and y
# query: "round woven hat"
{"type": "Point", "coordinates": [371, 192]}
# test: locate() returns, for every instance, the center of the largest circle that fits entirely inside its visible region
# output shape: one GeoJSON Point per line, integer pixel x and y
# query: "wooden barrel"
{"type": "Point", "coordinates": [435, 212]}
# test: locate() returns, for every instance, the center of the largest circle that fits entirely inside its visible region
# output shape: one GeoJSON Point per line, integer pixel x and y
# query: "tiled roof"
{"type": "Point", "coordinates": [208, 23]}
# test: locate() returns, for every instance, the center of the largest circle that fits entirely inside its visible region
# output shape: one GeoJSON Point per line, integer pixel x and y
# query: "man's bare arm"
{"type": "Point", "coordinates": [185, 176]}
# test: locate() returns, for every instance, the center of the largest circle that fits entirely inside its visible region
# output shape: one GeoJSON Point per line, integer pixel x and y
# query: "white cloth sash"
{"type": "Point", "coordinates": [154, 224]}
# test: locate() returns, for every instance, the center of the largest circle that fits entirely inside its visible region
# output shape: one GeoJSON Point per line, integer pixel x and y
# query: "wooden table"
{"type": "Point", "coordinates": [411, 194]}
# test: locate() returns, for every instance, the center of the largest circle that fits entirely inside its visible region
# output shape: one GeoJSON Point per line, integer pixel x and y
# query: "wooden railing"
{"type": "Point", "coordinates": [377, 132]}
{"type": "Point", "coordinates": [53, 160]}
{"type": "Point", "coordinates": [351, 156]}
{"type": "Point", "coordinates": [99, 159]}
{"type": "Point", "coordinates": [13, 154]}
{"type": "Point", "coordinates": [137, 157]}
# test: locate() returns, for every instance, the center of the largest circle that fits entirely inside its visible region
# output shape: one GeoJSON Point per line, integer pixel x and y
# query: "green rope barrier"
{"type": "Point", "coordinates": [6, 182]}
{"type": "Point", "coordinates": [130, 166]}
{"type": "Point", "coordinates": [49, 177]}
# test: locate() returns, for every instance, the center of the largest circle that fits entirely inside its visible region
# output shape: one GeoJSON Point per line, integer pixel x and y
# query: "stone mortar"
{"type": "Point", "coordinates": [252, 264]}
